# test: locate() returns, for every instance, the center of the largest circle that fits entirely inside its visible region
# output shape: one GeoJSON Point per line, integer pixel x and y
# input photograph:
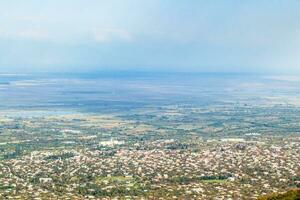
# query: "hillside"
{"type": "Point", "coordinates": [290, 195]}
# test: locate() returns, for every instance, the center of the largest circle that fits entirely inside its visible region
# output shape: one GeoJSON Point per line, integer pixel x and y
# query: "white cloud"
{"type": "Point", "coordinates": [111, 34]}
{"type": "Point", "coordinates": [25, 34]}
{"type": "Point", "coordinates": [33, 34]}
{"type": "Point", "coordinates": [284, 78]}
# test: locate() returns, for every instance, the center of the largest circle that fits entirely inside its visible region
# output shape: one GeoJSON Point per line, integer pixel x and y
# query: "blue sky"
{"type": "Point", "coordinates": [246, 36]}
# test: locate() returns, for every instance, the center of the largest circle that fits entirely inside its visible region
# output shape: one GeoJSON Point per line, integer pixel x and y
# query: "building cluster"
{"type": "Point", "coordinates": [220, 169]}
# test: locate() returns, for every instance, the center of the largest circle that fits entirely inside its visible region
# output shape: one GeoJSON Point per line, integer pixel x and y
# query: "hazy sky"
{"type": "Point", "coordinates": [170, 35]}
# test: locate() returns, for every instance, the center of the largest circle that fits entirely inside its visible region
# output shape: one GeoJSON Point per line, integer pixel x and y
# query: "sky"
{"type": "Point", "coordinates": [231, 36]}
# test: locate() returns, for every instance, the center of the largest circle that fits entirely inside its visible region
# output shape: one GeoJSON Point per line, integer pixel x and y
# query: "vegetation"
{"type": "Point", "coordinates": [290, 195]}
{"type": "Point", "coordinates": [60, 156]}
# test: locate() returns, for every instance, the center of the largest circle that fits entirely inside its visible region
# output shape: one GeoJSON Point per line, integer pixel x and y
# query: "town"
{"type": "Point", "coordinates": [88, 156]}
